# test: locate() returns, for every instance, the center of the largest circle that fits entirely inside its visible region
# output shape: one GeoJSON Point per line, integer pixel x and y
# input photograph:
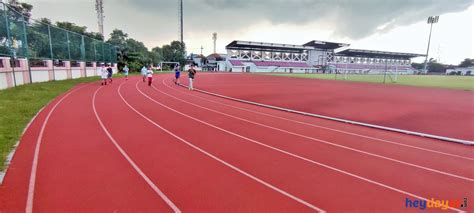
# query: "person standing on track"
{"type": "Point", "coordinates": [191, 74]}
{"type": "Point", "coordinates": [177, 74]}
{"type": "Point", "coordinates": [149, 75]}
{"type": "Point", "coordinates": [125, 72]}
{"type": "Point", "coordinates": [143, 72]}
{"type": "Point", "coordinates": [109, 72]}
{"type": "Point", "coordinates": [104, 75]}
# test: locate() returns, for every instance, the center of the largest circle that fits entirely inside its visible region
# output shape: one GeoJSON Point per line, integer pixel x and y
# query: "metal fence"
{"type": "Point", "coordinates": [23, 37]}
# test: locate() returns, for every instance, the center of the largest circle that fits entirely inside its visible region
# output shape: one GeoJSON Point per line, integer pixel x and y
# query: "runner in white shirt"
{"type": "Point", "coordinates": [143, 72]}
{"type": "Point", "coordinates": [104, 75]}
{"type": "Point", "coordinates": [149, 75]}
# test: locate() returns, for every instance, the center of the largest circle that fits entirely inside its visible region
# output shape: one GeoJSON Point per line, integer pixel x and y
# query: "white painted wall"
{"type": "Point", "coordinates": [76, 73]}
{"type": "Point", "coordinates": [40, 75]}
{"type": "Point", "coordinates": [3, 80]}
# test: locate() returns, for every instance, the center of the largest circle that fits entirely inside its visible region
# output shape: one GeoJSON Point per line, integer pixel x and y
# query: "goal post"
{"type": "Point", "coordinates": [173, 64]}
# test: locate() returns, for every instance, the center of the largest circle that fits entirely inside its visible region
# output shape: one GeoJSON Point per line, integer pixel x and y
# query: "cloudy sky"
{"type": "Point", "coordinates": [391, 25]}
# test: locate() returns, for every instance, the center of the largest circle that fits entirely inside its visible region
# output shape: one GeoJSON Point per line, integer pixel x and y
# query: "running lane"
{"type": "Point", "coordinates": [78, 167]}
{"type": "Point", "coordinates": [312, 182]}
{"type": "Point", "coordinates": [191, 179]}
{"type": "Point", "coordinates": [244, 121]}
{"type": "Point", "coordinates": [404, 107]}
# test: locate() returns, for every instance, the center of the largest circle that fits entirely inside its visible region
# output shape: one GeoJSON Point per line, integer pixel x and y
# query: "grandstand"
{"type": "Point", "coordinates": [314, 56]}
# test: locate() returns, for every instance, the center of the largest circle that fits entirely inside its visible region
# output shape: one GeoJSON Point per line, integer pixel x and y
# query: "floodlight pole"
{"type": "Point", "coordinates": [431, 20]}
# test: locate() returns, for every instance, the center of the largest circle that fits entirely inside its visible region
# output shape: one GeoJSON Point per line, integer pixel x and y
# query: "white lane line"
{"type": "Point", "coordinates": [125, 155]}
{"type": "Point", "coordinates": [391, 129]}
{"type": "Point", "coordinates": [321, 141]}
{"type": "Point", "coordinates": [292, 154]}
{"type": "Point", "coordinates": [287, 194]}
{"type": "Point", "coordinates": [323, 127]}
{"type": "Point", "coordinates": [34, 167]}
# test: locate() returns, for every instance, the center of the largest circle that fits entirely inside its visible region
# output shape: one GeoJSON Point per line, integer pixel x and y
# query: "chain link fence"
{"type": "Point", "coordinates": [27, 44]}
{"type": "Point", "coordinates": [21, 37]}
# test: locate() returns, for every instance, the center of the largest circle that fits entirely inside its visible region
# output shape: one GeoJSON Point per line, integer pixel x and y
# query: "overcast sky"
{"type": "Point", "coordinates": [390, 25]}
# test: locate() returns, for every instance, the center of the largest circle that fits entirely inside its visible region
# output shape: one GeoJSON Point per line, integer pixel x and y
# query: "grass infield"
{"type": "Point", "coordinates": [447, 82]}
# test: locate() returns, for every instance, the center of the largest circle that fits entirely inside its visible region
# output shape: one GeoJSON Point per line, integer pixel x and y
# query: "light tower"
{"type": "Point", "coordinates": [181, 20]}
{"type": "Point", "coordinates": [214, 37]}
{"type": "Point", "coordinates": [99, 8]}
{"type": "Point", "coordinates": [431, 20]}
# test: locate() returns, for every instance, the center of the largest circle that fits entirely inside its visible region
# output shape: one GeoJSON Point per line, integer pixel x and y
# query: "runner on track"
{"type": "Point", "coordinates": [109, 73]}
{"type": "Point", "coordinates": [177, 74]}
{"type": "Point", "coordinates": [143, 72]}
{"type": "Point", "coordinates": [191, 74]}
{"type": "Point", "coordinates": [149, 75]}
{"type": "Point", "coordinates": [125, 72]}
{"type": "Point", "coordinates": [104, 75]}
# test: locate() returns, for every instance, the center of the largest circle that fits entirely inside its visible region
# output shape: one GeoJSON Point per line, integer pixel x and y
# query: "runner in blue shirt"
{"type": "Point", "coordinates": [177, 74]}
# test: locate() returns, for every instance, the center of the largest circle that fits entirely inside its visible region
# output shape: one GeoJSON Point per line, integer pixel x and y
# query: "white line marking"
{"type": "Point", "coordinates": [293, 155]}
{"type": "Point", "coordinates": [420, 134]}
{"type": "Point", "coordinates": [125, 155]}
{"type": "Point", "coordinates": [218, 159]}
{"type": "Point", "coordinates": [34, 166]}
{"type": "Point", "coordinates": [323, 127]}
{"type": "Point", "coordinates": [320, 140]}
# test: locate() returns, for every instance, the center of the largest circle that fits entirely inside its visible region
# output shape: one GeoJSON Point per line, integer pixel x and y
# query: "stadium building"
{"type": "Point", "coordinates": [314, 56]}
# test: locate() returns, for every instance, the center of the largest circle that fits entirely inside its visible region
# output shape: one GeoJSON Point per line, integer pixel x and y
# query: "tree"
{"type": "Point", "coordinates": [418, 66]}
{"type": "Point", "coordinates": [156, 55]}
{"type": "Point", "coordinates": [435, 67]}
{"type": "Point", "coordinates": [176, 52]}
{"type": "Point", "coordinates": [118, 38]}
{"type": "Point", "coordinates": [467, 63]}
{"type": "Point", "coordinates": [71, 27]}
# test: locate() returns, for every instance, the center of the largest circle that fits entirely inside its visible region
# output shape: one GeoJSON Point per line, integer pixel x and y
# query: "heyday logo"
{"type": "Point", "coordinates": [435, 203]}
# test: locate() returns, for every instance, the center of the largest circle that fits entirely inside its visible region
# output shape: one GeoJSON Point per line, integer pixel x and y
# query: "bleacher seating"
{"type": "Point", "coordinates": [236, 63]}
{"type": "Point", "coordinates": [372, 66]}
{"type": "Point", "coordinates": [280, 64]}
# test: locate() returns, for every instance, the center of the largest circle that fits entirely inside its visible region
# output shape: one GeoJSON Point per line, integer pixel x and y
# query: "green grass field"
{"type": "Point", "coordinates": [448, 82]}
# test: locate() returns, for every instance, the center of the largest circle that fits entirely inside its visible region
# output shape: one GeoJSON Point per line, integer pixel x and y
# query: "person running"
{"type": "Point", "coordinates": [109, 72]}
{"type": "Point", "coordinates": [149, 75]}
{"type": "Point", "coordinates": [177, 74]}
{"type": "Point", "coordinates": [104, 75]}
{"type": "Point", "coordinates": [191, 74]}
{"type": "Point", "coordinates": [125, 72]}
{"type": "Point", "coordinates": [143, 72]}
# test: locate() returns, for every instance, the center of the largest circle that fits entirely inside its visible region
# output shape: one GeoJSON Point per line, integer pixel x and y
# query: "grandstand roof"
{"type": "Point", "coordinates": [325, 44]}
{"type": "Point", "coordinates": [377, 54]}
{"type": "Point", "coordinates": [250, 45]}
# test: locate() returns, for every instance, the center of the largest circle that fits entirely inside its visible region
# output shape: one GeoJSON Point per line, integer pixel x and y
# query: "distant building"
{"type": "Point", "coordinates": [314, 56]}
{"type": "Point", "coordinates": [460, 71]}
{"type": "Point", "coordinates": [215, 62]}
{"type": "Point", "coordinates": [196, 59]}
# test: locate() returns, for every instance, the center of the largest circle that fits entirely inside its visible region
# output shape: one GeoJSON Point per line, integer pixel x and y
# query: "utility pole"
{"type": "Point", "coordinates": [214, 37]}
{"type": "Point", "coordinates": [201, 49]}
{"type": "Point", "coordinates": [99, 7]}
{"type": "Point", "coordinates": [181, 20]}
{"type": "Point", "coordinates": [431, 20]}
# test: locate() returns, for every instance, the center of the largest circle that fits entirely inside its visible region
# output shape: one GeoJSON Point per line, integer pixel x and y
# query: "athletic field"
{"type": "Point", "coordinates": [129, 147]}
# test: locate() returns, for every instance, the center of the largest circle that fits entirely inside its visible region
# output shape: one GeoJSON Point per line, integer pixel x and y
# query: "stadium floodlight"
{"type": "Point", "coordinates": [431, 20]}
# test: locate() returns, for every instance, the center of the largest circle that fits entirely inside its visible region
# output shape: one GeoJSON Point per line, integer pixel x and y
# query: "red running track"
{"type": "Point", "coordinates": [442, 112]}
{"type": "Point", "coordinates": [130, 147]}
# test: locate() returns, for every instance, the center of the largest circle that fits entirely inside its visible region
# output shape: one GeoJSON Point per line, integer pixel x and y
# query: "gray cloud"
{"type": "Point", "coordinates": [351, 19]}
